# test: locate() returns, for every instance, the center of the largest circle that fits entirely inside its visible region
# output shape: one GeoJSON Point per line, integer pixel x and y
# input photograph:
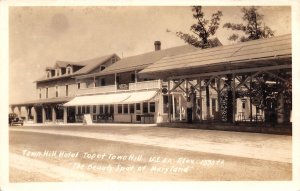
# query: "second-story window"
{"type": "Point", "coordinates": [46, 92]}
{"type": "Point", "coordinates": [56, 91]}
{"type": "Point", "coordinates": [57, 72]}
{"type": "Point", "coordinates": [78, 85]}
{"type": "Point", "coordinates": [102, 68]}
{"type": "Point", "coordinates": [40, 94]}
{"type": "Point", "coordinates": [69, 70]}
{"type": "Point", "coordinates": [67, 90]}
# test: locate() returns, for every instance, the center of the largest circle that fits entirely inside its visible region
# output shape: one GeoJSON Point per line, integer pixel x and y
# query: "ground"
{"type": "Point", "coordinates": [95, 153]}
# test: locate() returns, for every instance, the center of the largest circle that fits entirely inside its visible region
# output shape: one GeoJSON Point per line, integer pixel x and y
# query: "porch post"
{"type": "Point", "coordinates": [116, 88]}
{"type": "Point", "coordinates": [180, 109]}
{"type": "Point", "coordinates": [19, 111]}
{"type": "Point", "coordinates": [250, 89]}
{"type": "Point", "coordinates": [65, 115]}
{"type": "Point", "coordinates": [34, 115]}
{"type": "Point", "coordinates": [26, 113]}
{"type": "Point", "coordinates": [53, 114]}
{"type": "Point", "coordinates": [200, 102]}
{"type": "Point", "coordinates": [207, 100]}
{"type": "Point", "coordinates": [169, 103]}
{"type": "Point", "coordinates": [43, 114]}
{"type": "Point", "coordinates": [233, 98]}
{"type": "Point", "coordinates": [173, 106]}
{"type": "Point", "coordinates": [219, 98]}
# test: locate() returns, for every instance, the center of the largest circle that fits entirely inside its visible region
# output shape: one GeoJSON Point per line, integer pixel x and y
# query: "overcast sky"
{"type": "Point", "coordinates": [39, 36]}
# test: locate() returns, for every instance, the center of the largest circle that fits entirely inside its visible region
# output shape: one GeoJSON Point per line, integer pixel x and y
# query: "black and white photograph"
{"type": "Point", "coordinates": [150, 93]}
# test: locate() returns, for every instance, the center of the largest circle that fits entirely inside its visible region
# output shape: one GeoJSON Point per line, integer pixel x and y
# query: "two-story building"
{"type": "Point", "coordinates": [225, 83]}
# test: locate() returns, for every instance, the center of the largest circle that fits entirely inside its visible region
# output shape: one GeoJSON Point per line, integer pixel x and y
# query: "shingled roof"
{"type": "Point", "coordinates": [256, 53]}
{"type": "Point", "coordinates": [141, 61]}
{"type": "Point", "coordinates": [87, 66]}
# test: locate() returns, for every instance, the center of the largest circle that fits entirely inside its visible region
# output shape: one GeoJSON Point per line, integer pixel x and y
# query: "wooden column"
{"type": "Point", "coordinates": [219, 97]}
{"type": "Point", "coordinates": [207, 100]}
{"type": "Point", "coordinates": [173, 106]}
{"type": "Point", "coordinates": [26, 113]}
{"type": "Point", "coordinates": [180, 108]}
{"type": "Point", "coordinates": [65, 115]}
{"type": "Point", "coordinates": [53, 114]}
{"type": "Point", "coordinates": [43, 115]}
{"type": "Point", "coordinates": [169, 103]}
{"type": "Point", "coordinates": [200, 102]}
{"type": "Point", "coordinates": [250, 89]}
{"type": "Point", "coordinates": [34, 115]}
{"type": "Point", "coordinates": [233, 98]}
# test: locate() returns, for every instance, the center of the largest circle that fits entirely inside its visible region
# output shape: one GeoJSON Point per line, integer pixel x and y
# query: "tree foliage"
{"type": "Point", "coordinates": [254, 27]}
{"type": "Point", "coordinates": [202, 30]}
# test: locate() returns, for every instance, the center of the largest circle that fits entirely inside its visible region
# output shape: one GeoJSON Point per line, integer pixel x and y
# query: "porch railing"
{"type": "Point", "coordinates": [146, 85]}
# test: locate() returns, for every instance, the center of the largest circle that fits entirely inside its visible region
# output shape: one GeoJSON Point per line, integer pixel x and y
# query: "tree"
{"type": "Point", "coordinates": [254, 27]}
{"type": "Point", "coordinates": [202, 30]}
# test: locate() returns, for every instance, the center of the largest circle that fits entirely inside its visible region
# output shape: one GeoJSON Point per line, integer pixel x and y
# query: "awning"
{"type": "Point", "coordinates": [137, 97]}
{"type": "Point", "coordinates": [115, 98]}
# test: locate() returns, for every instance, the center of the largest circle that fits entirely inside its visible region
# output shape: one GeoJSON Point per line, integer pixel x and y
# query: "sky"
{"type": "Point", "coordinates": [39, 36]}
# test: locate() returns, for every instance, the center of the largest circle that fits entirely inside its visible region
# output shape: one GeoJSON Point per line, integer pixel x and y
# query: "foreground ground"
{"type": "Point", "coordinates": [81, 153]}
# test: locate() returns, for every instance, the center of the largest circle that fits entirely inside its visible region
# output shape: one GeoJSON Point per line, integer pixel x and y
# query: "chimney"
{"type": "Point", "coordinates": [157, 45]}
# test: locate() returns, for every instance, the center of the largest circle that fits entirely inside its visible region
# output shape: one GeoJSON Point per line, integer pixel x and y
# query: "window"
{"type": "Point", "coordinates": [63, 71]}
{"type": "Point", "coordinates": [78, 85]}
{"type": "Point", "coordinates": [131, 108]}
{"type": "Point", "coordinates": [69, 70]}
{"type": "Point", "coordinates": [138, 106]}
{"type": "Point", "coordinates": [40, 93]}
{"type": "Point", "coordinates": [111, 108]}
{"type": "Point", "coordinates": [67, 90]}
{"type": "Point", "coordinates": [101, 109]}
{"type": "Point", "coordinates": [102, 81]}
{"type": "Point", "coordinates": [145, 107]}
{"type": "Point", "coordinates": [106, 108]}
{"type": "Point", "coordinates": [83, 109]}
{"type": "Point", "coordinates": [94, 109]}
{"type": "Point", "coordinates": [88, 109]}
{"type": "Point", "coordinates": [57, 72]}
{"type": "Point", "coordinates": [244, 105]}
{"type": "Point", "coordinates": [46, 92]}
{"type": "Point", "coordinates": [79, 110]}
{"type": "Point", "coordinates": [152, 107]}
{"type": "Point", "coordinates": [56, 91]}
{"type": "Point", "coordinates": [133, 77]}
{"type": "Point", "coordinates": [102, 68]}
{"type": "Point", "coordinates": [118, 79]}
{"type": "Point", "coordinates": [125, 106]}
{"type": "Point", "coordinates": [119, 108]}
{"type": "Point", "coordinates": [113, 60]}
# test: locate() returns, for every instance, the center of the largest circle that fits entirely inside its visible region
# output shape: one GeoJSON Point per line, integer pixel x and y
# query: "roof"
{"type": "Point", "coordinates": [91, 64]}
{"type": "Point", "coordinates": [223, 57]}
{"type": "Point", "coordinates": [88, 66]}
{"type": "Point", "coordinates": [141, 61]}
{"type": "Point", "coordinates": [43, 101]}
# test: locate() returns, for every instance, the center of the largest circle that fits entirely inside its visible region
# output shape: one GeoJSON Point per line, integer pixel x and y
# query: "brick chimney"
{"type": "Point", "coordinates": [157, 45]}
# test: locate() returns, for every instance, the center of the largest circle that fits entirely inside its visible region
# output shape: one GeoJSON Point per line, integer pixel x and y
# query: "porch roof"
{"type": "Point", "coordinates": [251, 54]}
{"type": "Point", "coordinates": [42, 101]}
